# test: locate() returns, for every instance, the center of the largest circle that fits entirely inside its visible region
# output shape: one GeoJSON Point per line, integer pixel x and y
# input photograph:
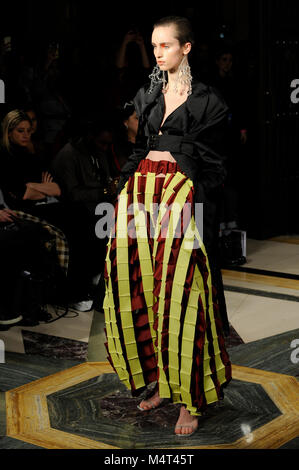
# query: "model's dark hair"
{"type": "Point", "coordinates": [183, 27]}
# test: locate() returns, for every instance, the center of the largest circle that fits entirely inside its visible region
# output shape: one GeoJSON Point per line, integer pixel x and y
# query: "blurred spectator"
{"type": "Point", "coordinates": [202, 61]}
{"type": "Point", "coordinates": [8, 315]}
{"type": "Point", "coordinates": [27, 59]}
{"type": "Point", "coordinates": [23, 179]}
{"type": "Point", "coordinates": [10, 70]}
{"type": "Point", "coordinates": [30, 111]}
{"type": "Point", "coordinates": [29, 187]}
{"type": "Point", "coordinates": [132, 65]}
{"type": "Point", "coordinates": [49, 94]}
{"type": "Point", "coordinates": [125, 138]}
{"type": "Point", "coordinates": [230, 86]}
{"type": "Point", "coordinates": [35, 145]}
{"type": "Point", "coordinates": [82, 167]}
{"type": "Point", "coordinates": [27, 260]}
{"type": "Point", "coordinates": [232, 90]}
{"type": "Point", "coordinates": [17, 253]}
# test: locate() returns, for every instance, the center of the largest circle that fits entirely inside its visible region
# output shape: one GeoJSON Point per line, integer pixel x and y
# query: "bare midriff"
{"type": "Point", "coordinates": [157, 156]}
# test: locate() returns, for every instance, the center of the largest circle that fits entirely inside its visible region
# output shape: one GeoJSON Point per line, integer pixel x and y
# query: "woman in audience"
{"type": "Point", "coordinates": [27, 186]}
{"type": "Point", "coordinates": [24, 181]}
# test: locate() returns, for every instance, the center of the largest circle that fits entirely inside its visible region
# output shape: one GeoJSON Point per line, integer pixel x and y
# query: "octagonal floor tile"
{"type": "Point", "coordinates": [86, 407]}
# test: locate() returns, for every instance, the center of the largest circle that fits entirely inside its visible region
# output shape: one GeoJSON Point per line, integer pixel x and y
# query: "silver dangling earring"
{"type": "Point", "coordinates": [156, 78]}
{"type": "Point", "coordinates": [184, 77]}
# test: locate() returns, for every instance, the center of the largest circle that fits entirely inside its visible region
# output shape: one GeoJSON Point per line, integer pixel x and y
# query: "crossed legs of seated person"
{"type": "Point", "coordinates": [20, 256]}
{"type": "Point", "coordinates": [86, 250]}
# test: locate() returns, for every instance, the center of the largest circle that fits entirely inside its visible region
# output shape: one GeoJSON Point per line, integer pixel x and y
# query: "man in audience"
{"type": "Point", "coordinates": [82, 169]}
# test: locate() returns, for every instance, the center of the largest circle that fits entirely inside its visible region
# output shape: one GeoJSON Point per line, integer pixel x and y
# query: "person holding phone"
{"type": "Point", "coordinates": [132, 65]}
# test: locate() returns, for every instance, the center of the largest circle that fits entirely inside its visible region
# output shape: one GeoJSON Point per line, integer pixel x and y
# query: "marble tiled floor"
{"type": "Point", "coordinates": [258, 305]}
{"type": "Point", "coordinates": [280, 256]}
{"type": "Point", "coordinates": [73, 328]}
{"type": "Point", "coordinates": [263, 312]}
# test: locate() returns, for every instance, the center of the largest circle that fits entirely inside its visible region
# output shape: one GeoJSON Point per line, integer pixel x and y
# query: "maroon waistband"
{"type": "Point", "coordinates": [161, 166]}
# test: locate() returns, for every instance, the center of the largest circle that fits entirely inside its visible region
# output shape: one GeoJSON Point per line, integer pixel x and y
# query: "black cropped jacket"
{"type": "Point", "coordinates": [200, 153]}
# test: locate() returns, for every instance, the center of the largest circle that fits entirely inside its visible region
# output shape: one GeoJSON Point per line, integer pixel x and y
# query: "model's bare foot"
{"type": "Point", "coordinates": [186, 424]}
{"type": "Point", "coordinates": [151, 403]}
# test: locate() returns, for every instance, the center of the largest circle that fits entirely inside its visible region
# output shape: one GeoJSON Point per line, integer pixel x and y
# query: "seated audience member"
{"type": "Point", "coordinates": [28, 187]}
{"type": "Point", "coordinates": [124, 141]}
{"type": "Point", "coordinates": [82, 167]}
{"type": "Point", "coordinates": [82, 170]}
{"type": "Point", "coordinates": [24, 181]}
{"type": "Point", "coordinates": [26, 261]}
{"type": "Point", "coordinates": [8, 315]}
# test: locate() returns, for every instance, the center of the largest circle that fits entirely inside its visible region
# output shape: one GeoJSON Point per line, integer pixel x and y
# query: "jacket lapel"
{"type": "Point", "coordinates": [198, 100]}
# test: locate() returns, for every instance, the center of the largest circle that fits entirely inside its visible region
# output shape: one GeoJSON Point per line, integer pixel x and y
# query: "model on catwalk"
{"type": "Point", "coordinates": [161, 310]}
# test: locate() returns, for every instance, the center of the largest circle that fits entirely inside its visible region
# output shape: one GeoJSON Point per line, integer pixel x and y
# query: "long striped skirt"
{"type": "Point", "coordinates": [161, 313]}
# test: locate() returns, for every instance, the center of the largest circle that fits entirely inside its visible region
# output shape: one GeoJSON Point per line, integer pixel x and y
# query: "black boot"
{"type": "Point", "coordinates": [231, 250]}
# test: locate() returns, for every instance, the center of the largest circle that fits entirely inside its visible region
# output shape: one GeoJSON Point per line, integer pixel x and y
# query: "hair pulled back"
{"type": "Point", "coordinates": [183, 26]}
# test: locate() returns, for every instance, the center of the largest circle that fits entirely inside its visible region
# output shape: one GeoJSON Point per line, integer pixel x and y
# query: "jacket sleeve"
{"type": "Point", "coordinates": [130, 167]}
{"type": "Point", "coordinates": [140, 146]}
{"type": "Point", "coordinates": [3, 205]}
{"type": "Point", "coordinates": [210, 145]}
{"type": "Point", "coordinates": [12, 185]}
{"type": "Point", "coordinates": [65, 170]}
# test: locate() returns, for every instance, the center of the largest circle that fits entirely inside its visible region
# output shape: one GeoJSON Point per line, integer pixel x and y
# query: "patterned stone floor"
{"type": "Point", "coordinates": [85, 406]}
{"type": "Point", "coordinates": [58, 392]}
